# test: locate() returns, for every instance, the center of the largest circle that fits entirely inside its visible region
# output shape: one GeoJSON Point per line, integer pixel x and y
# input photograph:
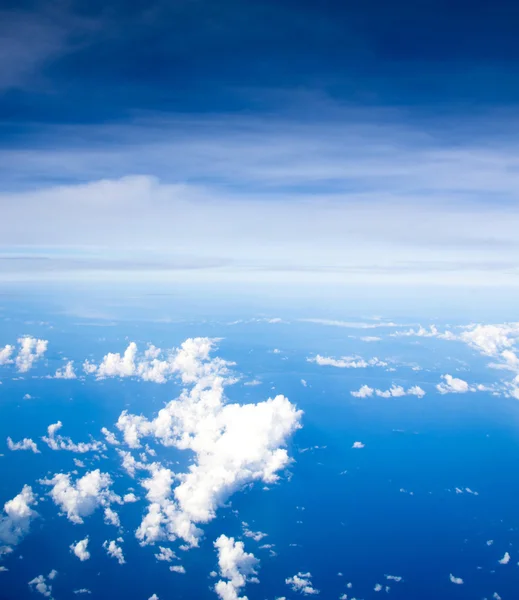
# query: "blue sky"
{"type": "Point", "coordinates": [270, 142]}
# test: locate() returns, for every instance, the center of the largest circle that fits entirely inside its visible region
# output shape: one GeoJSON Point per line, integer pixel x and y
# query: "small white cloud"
{"type": "Point", "coordinates": [177, 569]}
{"type": "Point", "coordinates": [130, 497]}
{"type": "Point", "coordinates": [378, 587]}
{"type": "Point", "coordinates": [18, 516]}
{"type": "Point", "coordinates": [505, 560]}
{"type": "Point", "coordinates": [80, 549]}
{"type": "Point", "coordinates": [347, 362]}
{"type": "Point", "coordinates": [364, 392]}
{"type": "Point", "coordinates": [456, 580]}
{"type": "Point", "coordinates": [153, 597]}
{"type": "Point", "coordinates": [59, 442]}
{"type": "Point", "coordinates": [302, 583]}
{"type": "Point", "coordinates": [358, 445]}
{"type": "Point", "coordinates": [165, 554]}
{"type": "Point", "coordinates": [66, 372]}
{"type": "Point", "coordinates": [114, 550]}
{"type": "Point", "coordinates": [41, 585]}
{"type": "Point", "coordinates": [82, 591]}
{"type": "Point", "coordinates": [453, 385]}
{"type": "Point", "coordinates": [25, 444]}
{"type": "Point", "coordinates": [31, 350]}
{"type": "Point", "coordinates": [111, 517]}
{"type": "Point", "coordinates": [5, 354]}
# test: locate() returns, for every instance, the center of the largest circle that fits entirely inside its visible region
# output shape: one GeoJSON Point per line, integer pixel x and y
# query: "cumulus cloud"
{"type": "Point", "coordinates": [232, 444]}
{"type": "Point", "coordinates": [16, 521]}
{"type": "Point", "coordinates": [302, 583]}
{"type": "Point", "coordinates": [395, 391]}
{"type": "Point", "coordinates": [453, 385]}
{"type": "Point", "coordinates": [66, 372]}
{"type": "Point", "coordinates": [5, 354]}
{"type": "Point", "coordinates": [41, 584]}
{"type": "Point", "coordinates": [25, 444]}
{"type": "Point", "coordinates": [347, 362]}
{"type": "Point", "coordinates": [111, 517]}
{"type": "Point", "coordinates": [31, 350]}
{"type": "Point", "coordinates": [114, 551]}
{"type": "Point", "coordinates": [235, 565]}
{"type": "Point", "coordinates": [177, 569]}
{"type": "Point", "coordinates": [257, 536]}
{"type": "Point", "coordinates": [358, 445]}
{"type": "Point", "coordinates": [165, 554]}
{"type": "Point", "coordinates": [80, 499]}
{"type": "Point", "coordinates": [80, 549]}
{"type": "Point", "coordinates": [505, 560]}
{"type": "Point", "coordinates": [456, 580]}
{"type": "Point", "coordinates": [58, 442]}
{"type": "Point", "coordinates": [110, 437]}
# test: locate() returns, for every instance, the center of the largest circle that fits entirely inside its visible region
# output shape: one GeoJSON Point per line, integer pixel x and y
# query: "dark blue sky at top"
{"type": "Point", "coordinates": [97, 62]}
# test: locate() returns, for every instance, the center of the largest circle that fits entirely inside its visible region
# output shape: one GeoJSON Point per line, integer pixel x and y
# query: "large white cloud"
{"type": "Point", "coordinates": [15, 524]}
{"type": "Point", "coordinates": [235, 565]}
{"type": "Point", "coordinates": [80, 499]}
{"type": "Point", "coordinates": [232, 444]}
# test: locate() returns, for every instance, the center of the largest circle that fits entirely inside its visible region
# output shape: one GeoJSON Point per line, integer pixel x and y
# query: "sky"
{"type": "Point", "coordinates": [269, 143]}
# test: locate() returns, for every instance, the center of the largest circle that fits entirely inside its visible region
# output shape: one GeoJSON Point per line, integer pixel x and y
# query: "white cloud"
{"type": "Point", "coordinates": [153, 597]}
{"type": "Point", "coordinates": [80, 549]}
{"type": "Point", "coordinates": [130, 497]}
{"type": "Point", "coordinates": [505, 560]}
{"type": "Point", "coordinates": [233, 445]}
{"type": "Point", "coordinates": [378, 587]}
{"type": "Point", "coordinates": [257, 536]}
{"type": "Point", "coordinates": [358, 445]}
{"type": "Point", "coordinates": [82, 591]}
{"type": "Point", "coordinates": [41, 585]}
{"type": "Point", "coordinates": [347, 362]}
{"type": "Point", "coordinates": [15, 524]}
{"type": "Point", "coordinates": [111, 517]}
{"type": "Point", "coordinates": [109, 436]}
{"type": "Point", "coordinates": [364, 392]}
{"type": "Point", "coordinates": [302, 583]}
{"type": "Point", "coordinates": [25, 444]}
{"type": "Point", "coordinates": [177, 569]}
{"type": "Point", "coordinates": [456, 580]}
{"type": "Point", "coordinates": [165, 554]}
{"type": "Point", "coordinates": [58, 442]}
{"type": "Point", "coordinates": [66, 372]}
{"type": "Point", "coordinates": [395, 391]}
{"type": "Point", "coordinates": [235, 565]}
{"type": "Point", "coordinates": [80, 499]}
{"type": "Point", "coordinates": [114, 550]}
{"type": "Point", "coordinates": [5, 354]}
{"type": "Point", "coordinates": [370, 338]}
{"type": "Point", "coordinates": [31, 350]}
{"type": "Point", "coordinates": [453, 385]}
{"type": "Point", "coordinates": [396, 578]}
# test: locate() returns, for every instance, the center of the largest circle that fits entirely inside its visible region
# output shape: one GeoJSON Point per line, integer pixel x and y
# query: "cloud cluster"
{"type": "Point", "coordinates": [235, 565]}
{"type": "Point", "coordinates": [80, 499]}
{"type": "Point", "coordinates": [15, 524]}
{"type": "Point", "coordinates": [41, 583]}
{"type": "Point", "coordinates": [302, 583]}
{"type": "Point", "coordinates": [115, 551]}
{"type": "Point", "coordinates": [66, 372]}
{"type": "Point", "coordinates": [31, 350]}
{"type": "Point", "coordinates": [58, 442]}
{"type": "Point", "coordinates": [232, 445]}
{"type": "Point", "coordinates": [25, 444]}
{"type": "Point", "coordinates": [395, 391]}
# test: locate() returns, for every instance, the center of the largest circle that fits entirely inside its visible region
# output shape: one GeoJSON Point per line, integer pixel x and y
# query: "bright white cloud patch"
{"type": "Point", "coordinates": [395, 391]}
{"type": "Point", "coordinates": [16, 521]}
{"type": "Point", "coordinates": [41, 584]}
{"type": "Point", "coordinates": [456, 580]}
{"type": "Point", "coordinates": [58, 442]}
{"type": "Point", "coordinates": [232, 444]}
{"type": "Point", "coordinates": [80, 549]}
{"type": "Point", "coordinates": [5, 354]}
{"type": "Point", "coordinates": [505, 560]}
{"type": "Point", "coordinates": [80, 499]}
{"type": "Point", "coordinates": [302, 583]}
{"type": "Point", "coordinates": [347, 362]}
{"type": "Point", "coordinates": [114, 551]}
{"type": "Point", "coordinates": [452, 385]}
{"type": "Point", "coordinates": [25, 444]}
{"type": "Point", "coordinates": [235, 565]}
{"type": "Point", "coordinates": [31, 350]}
{"type": "Point", "coordinates": [358, 445]}
{"type": "Point", "coordinates": [66, 372]}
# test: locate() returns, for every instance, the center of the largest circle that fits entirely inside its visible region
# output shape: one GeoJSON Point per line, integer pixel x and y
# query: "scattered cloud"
{"type": "Point", "coordinates": [302, 583]}
{"type": "Point", "coordinates": [16, 521]}
{"type": "Point", "coordinates": [235, 565]}
{"type": "Point", "coordinates": [456, 580]}
{"type": "Point", "coordinates": [66, 372]}
{"type": "Point", "coordinates": [347, 362]}
{"type": "Point", "coordinates": [41, 584]}
{"type": "Point", "coordinates": [58, 442]}
{"type": "Point", "coordinates": [115, 551]}
{"type": "Point", "coordinates": [358, 445]}
{"type": "Point", "coordinates": [25, 444]}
